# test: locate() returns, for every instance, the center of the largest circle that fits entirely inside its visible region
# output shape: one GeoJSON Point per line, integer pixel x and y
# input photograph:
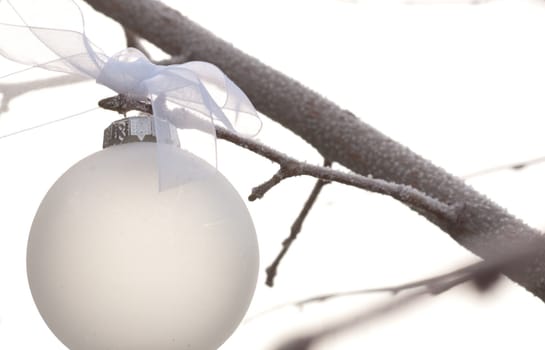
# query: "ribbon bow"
{"type": "Point", "coordinates": [181, 94]}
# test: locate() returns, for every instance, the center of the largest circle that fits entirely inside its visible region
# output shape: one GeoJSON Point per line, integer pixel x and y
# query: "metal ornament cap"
{"type": "Point", "coordinates": [135, 129]}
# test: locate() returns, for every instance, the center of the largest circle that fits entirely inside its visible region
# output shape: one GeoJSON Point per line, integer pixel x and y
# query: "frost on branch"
{"type": "Point", "coordinates": [483, 227]}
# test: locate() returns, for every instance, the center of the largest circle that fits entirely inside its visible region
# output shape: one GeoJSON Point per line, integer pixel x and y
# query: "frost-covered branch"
{"type": "Point", "coordinates": [290, 167]}
{"type": "Point", "coordinates": [483, 227]}
{"type": "Point", "coordinates": [272, 270]}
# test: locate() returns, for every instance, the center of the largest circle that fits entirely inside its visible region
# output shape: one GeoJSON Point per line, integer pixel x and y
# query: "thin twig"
{"type": "Point", "coordinates": [511, 166]}
{"type": "Point", "coordinates": [483, 274]}
{"type": "Point", "coordinates": [307, 341]}
{"type": "Point", "coordinates": [290, 167]}
{"type": "Point", "coordinates": [272, 270]}
{"type": "Point", "coordinates": [259, 191]}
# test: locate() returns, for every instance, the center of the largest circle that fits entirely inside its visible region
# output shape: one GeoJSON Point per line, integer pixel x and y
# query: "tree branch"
{"type": "Point", "coordinates": [290, 167]}
{"type": "Point", "coordinates": [272, 270]}
{"type": "Point", "coordinates": [482, 274]}
{"type": "Point", "coordinates": [483, 227]}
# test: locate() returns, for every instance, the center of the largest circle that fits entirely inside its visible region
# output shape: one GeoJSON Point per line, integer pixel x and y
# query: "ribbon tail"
{"type": "Point", "coordinates": [172, 173]}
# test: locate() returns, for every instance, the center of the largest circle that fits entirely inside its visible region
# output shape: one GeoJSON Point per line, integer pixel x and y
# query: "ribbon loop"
{"type": "Point", "coordinates": [126, 72]}
{"type": "Point", "coordinates": [193, 95]}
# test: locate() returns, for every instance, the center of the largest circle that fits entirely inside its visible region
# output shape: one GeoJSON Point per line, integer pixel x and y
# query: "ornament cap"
{"type": "Point", "coordinates": [134, 129]}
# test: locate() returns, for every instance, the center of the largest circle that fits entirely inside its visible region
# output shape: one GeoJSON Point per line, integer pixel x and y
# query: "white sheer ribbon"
{"type": "Point", "coordinates": [194, 95]}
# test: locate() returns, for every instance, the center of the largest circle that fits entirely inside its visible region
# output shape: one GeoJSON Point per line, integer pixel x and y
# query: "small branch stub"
{"type": "Point", "coordinates": [123, 103]}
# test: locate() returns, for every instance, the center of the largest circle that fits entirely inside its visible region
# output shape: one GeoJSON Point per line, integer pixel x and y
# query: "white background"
{"type": "Point", "coordinates": [460, 84]}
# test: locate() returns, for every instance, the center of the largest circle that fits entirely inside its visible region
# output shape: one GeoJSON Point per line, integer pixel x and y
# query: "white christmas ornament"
{"type": "Point", "coordinates": [141, 246]}
{"type": "Point", "coordinates": [115, 264]}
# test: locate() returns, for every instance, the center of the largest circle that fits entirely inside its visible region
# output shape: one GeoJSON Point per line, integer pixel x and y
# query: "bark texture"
{"type": "Point", "coordinates": [482, 227]}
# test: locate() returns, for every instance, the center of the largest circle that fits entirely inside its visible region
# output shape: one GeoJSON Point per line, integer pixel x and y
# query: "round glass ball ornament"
{"type": "Point", "coordinates": [115, 264]}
